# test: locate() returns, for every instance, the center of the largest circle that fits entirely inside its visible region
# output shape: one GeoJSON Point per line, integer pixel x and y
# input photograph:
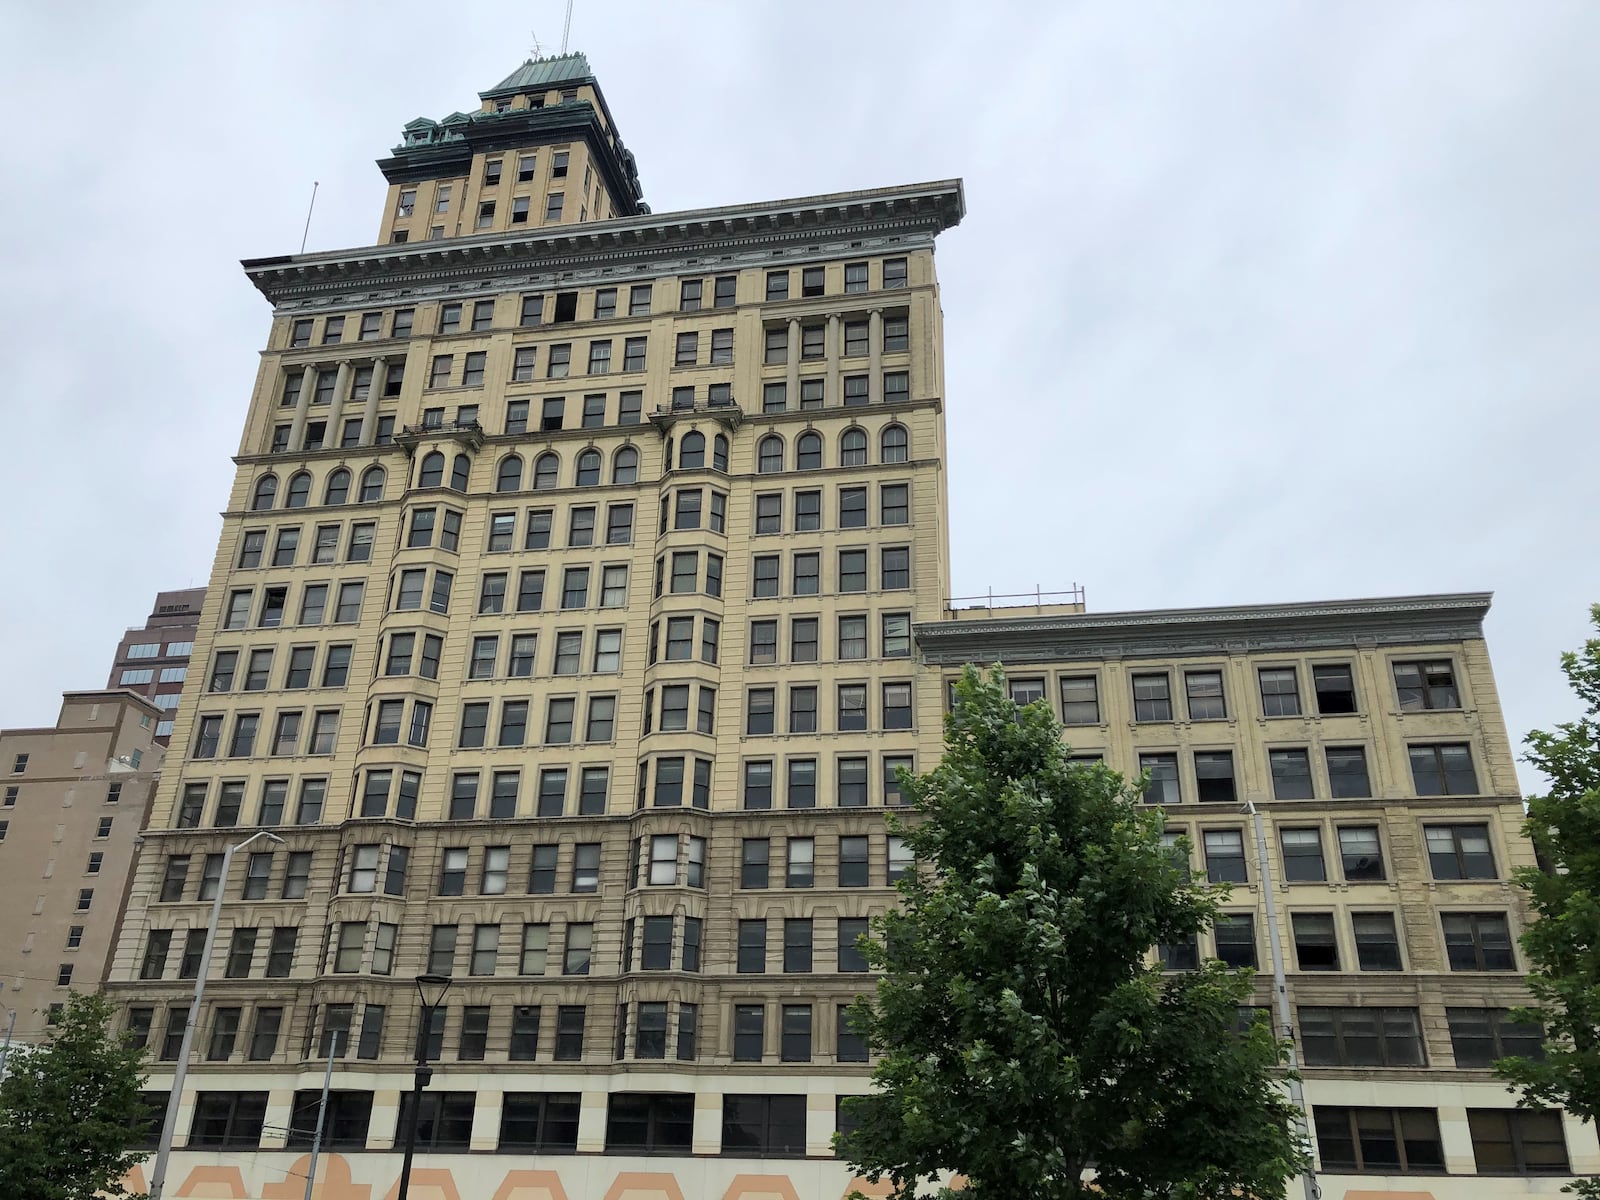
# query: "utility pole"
{"type": "Point", "coordinates": [322, 1112]}
{"type": "Point", "coordinates": [1280, 987]}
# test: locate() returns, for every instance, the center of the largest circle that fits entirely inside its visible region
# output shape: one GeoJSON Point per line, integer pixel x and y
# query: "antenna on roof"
{"type": "Point", "coordinates": [566, 27]}
{"type": "Point", "coordinates": [538, 50]}
{"type": "Point", "coordinates": [309, 209]}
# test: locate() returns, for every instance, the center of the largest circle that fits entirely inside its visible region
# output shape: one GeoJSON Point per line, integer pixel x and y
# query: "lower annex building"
{"type": "Point", "coordinates": [582, 587]}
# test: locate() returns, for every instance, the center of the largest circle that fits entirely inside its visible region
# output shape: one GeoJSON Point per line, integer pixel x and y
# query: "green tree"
{"type": "Point", "coordinates": [69, 1107]}
{"type": "Point", "coordinates": [1023, 1036]}
{"type": "Point", "coordinates": [1563, 945]}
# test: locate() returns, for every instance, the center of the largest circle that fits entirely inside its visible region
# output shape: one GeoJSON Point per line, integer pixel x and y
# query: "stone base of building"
{"type": "Point", "coordinates": [281, 1175]}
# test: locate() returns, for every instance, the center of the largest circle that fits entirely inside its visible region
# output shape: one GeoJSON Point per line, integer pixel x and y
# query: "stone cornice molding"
{"type": "Point", "coordinates": [1167, 632]}
{"type": "Point", "coordinates": [655, 244]}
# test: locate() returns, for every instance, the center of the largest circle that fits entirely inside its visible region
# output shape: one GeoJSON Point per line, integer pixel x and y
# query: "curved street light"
{"type": "Point", "coordinates": [158, 1176]}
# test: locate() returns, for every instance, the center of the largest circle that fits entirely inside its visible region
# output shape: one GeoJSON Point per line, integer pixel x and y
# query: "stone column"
{"type": "Point", "coordinates": [875, 358]}
{"type": "Point", "coordinates": [341, 385]}
{"type": "Point", "coordinates": [792, 387]}
{"type": "Point", "coordinates": [830, 395]}
{"type": "Point", "coordinates": [308, 387]}
{"type": "Point", "coordinates": [369, 414]}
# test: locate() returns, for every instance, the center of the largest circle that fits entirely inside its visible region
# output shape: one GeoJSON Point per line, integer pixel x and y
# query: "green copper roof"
{"type": "Point", "coordinates": [542, 73]}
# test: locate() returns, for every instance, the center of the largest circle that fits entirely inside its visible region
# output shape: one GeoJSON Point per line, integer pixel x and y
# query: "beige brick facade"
{"type": "Point", "coordinates": [74, 798]}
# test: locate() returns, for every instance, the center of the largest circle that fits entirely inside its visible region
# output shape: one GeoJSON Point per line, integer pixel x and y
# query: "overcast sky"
{"type": "Point", "coordinates": [1254, 301]}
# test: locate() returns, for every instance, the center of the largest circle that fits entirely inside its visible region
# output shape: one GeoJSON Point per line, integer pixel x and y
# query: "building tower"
{"type": "Point", "coordinates": [561, 626]}
{"type": "Point", "coordinates": [153, 659]}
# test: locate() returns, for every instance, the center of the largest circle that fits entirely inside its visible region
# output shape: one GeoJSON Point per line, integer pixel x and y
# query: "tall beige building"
{"type": "Point", "coordinates": [564, 625]}
{"type": "Point", "coordinates": [73, 799]}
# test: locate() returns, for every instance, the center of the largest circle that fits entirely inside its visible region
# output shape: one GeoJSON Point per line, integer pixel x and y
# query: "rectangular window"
{"type": "Point", "coordinates": [1479, 1036]}
{"type": "Point", "coordinates": [752, 956]}
{"type": "Point", "coordinates": [1235, 937]}
{"type": "Point", "coordinates": [794, 1043]}
{"type": "Point", "coordinates": [1347, 772]}
{"type": "Point", "coordinates": [1214, 779]}
{"type": "Point", "coordinates": [1478, 942]}
{"type": "Point", "coordinates": [1280, 693]}
{"type": "Point", "coordinates": [1426, 685]}
{"type": "Point", "coordinates": [1302, 855]}
{"type": "Point", "coordinates": [763, 1126]}
{"type": "Point", "coordinates": [1376, 943]}
{"type": "Point", "coordinates": [1335, 688]}
{"type": "Point", "coordinates": [1360, 853]}
{"type": "Point", "coordinates": [1361, 1037]}
{"type": "Point", "coordinates": [1224, 850]}
{"type": "Point", "coordinates": [1291, 774]}
{"type": "Point", "coordinates": [569, 1034]}
{"type": "Point", "coordinates": [1460, 851]}
{"type": "Point", "coordinates": [1443, 770]}
{"type": "Point", "coordinates": [749, 1038]}
{"type": "Point", "coordinates": [1152, 697]}
{"type": "Point", "coordinates": [1203, 690]}
{"type": "Point", "coordinates": [1515, 1141]}
{"type": "Point", "coordinates": [897, 706]}
{"type": "Point", "coordinates": [1378, 1140]}
{"type": "Point", "coordinates": [852, 710]}
{"type": "Point", "coordinates": [1163, 769]}
{"type": "Point", "coordinates": [758, 785]}
{"type": "Point", "coordinates": [1316, 946]}
{"type": "Point", "coordinates": [853, 861]}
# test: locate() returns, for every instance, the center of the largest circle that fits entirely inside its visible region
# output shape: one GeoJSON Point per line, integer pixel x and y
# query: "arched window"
{"type": "Point", "coordinates": [431, 474]}
{"type": "Point", "coordinates": [338, 489]}
{"type": "Point", "coordinates": [266, 492]}
{"type": "Point", "coordinates": [460, 472]}
{"type": "Point", "coordinates": [509, 477]}
{"type": "Point", "coordinates": [719, 453]}
{"type": "Point", "coordinates": [625, 466]}
{"type": "Point", "coordinates": [299, 493]}
{"type": "Point", "coordinates": [372, 483]}
{"type": "Point", "coordinates": [896, 444]}
{"type": "Point", "coordinates": [769, 454]}
{"type": "Point", "coordinates": [545, 470]}
{"type": "Point", "coordinates": [589, 468]}
{"type": "Point", "coordinates": [692, 453]}
{"type": "Point", "coordinates": [853, 448]}
{"type": "Point", "coordinates": [808, 452]}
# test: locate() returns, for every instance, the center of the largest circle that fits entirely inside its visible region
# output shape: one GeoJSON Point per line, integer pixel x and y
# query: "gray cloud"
{"type": "Point", "coordinates": [1255, 301]}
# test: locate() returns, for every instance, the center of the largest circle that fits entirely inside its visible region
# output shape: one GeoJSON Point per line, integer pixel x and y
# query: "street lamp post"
{"type": "Point", "coordinates": [158, 1176]}
{"type": "Point", "coordinates": [431, 989]}
{"type": "Point", "coordinates": [1280, 987]}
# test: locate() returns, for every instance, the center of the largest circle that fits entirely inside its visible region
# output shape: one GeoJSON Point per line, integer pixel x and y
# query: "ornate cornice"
{"type": "Point", "coordinates": [1159, 633]}
{"type": "Point", "coordinates": [663, 244]}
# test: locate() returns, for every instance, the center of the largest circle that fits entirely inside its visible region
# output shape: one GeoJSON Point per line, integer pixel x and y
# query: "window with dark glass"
{"type": "Point", "coordinates": [1152, 697]}
{"type": "Point", "coordinates": [1316, 946]}
{"type": "Point", "coordinates": [1378, 1140]}
{"type": "Point", "coordinates": [1335, 688]}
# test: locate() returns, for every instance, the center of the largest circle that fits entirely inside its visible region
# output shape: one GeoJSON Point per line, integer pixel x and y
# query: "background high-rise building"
{"type": "Point", "coordinates": [583, 585]}
{"type": "Point", "coordinates": [153, 659]}
{"type": "Point", "coordinates": [73, 800]}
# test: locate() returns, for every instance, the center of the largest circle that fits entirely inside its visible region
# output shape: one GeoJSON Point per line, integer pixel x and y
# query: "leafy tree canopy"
{"type": "Point", "coordinates": [1563, 945]}
{"type": "Point", "coordinates": [1023, 1036]}
{"type": "Point", "coordinates": [69, 1108]}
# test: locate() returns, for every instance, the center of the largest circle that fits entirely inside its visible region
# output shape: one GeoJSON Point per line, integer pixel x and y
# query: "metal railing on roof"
{"type": "Point", "coordinates": [1038, 597]}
